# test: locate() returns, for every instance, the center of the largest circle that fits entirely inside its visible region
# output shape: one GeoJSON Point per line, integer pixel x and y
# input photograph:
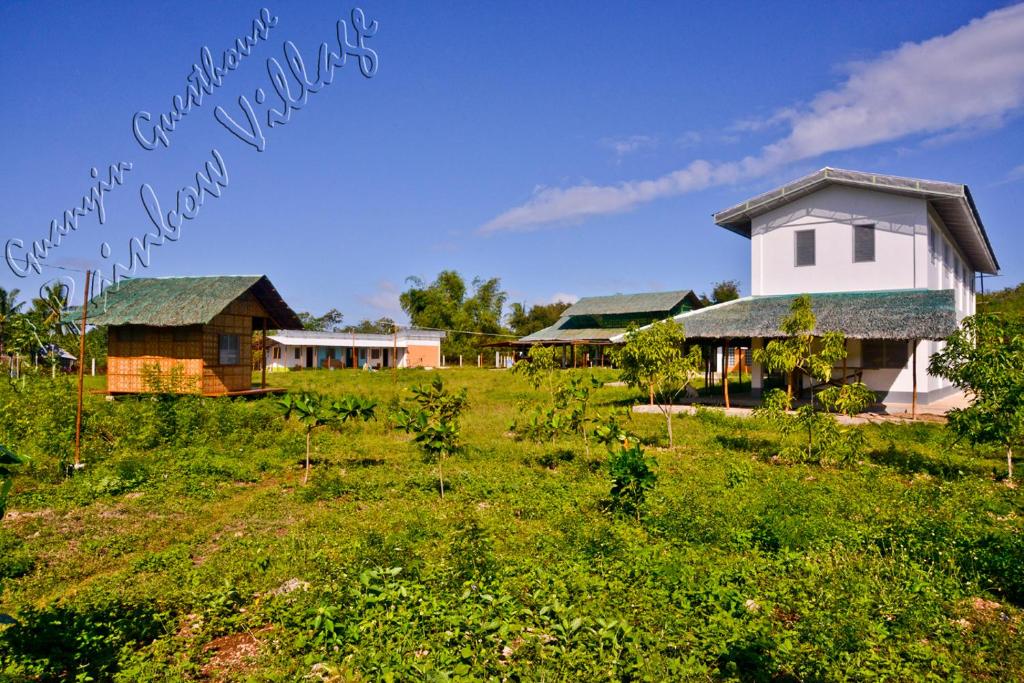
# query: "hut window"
{"type": "Point", "coordinates": [884, 353]}
{"type": "Point", "coordinates": [298, 353]}
{"type": "Point", "coordinates": [276, 353]}
{"type": "Point", "coordinates": [804, 242]}
{"type": "Point", "coordinates": [863, 243]}
{"type": "Point", "coordinates": [230, 349]}
{"type": "Point", "coordinates": [375, 354]}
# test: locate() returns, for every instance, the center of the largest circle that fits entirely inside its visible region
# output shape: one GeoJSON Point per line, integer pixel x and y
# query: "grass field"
{"type": "Point", "coordinates": [188, 549]}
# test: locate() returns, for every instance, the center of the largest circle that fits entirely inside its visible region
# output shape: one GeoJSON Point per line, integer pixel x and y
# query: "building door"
{"type": "Point", "coordinates": [309, 356]}
{"type": "Point", "coordinates": [387, 355]}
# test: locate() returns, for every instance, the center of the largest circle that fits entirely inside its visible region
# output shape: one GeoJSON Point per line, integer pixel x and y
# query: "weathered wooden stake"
{"type": "Point", "coordinates": [725, 373]}
{"type": "Point", "coordinates": [263, 356]}
{"type": "Point", "coordinates": [81, 372]}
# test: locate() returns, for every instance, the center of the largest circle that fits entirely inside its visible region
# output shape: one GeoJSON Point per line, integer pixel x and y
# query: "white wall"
{"type": "Point", "coordinates": [913, 249]}
{"type": "Point", "coordinates": [901, 225]}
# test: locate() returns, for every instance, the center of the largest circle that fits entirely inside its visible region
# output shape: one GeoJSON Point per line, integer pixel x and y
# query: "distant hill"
{"type": "Point", "coordinates": [1009, 300]}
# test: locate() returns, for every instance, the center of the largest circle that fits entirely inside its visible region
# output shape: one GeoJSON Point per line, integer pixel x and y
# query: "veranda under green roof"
{"type": "Point", "coordinates": [893, 314]}
{"type": "Point", "coordinates": [178, 301]}
{"type": "Point", "coordinates": [563, 333]}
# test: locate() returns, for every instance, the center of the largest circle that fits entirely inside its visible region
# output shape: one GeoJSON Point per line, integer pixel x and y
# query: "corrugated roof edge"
{"type": "Point", "coordinates": [729, 218]}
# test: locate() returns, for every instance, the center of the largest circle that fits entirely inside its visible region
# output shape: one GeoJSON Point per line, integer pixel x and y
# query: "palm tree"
{"type": "Point", "coordinates": [9, 307]}
{"type": "Point", "coordinates": [49, 308]}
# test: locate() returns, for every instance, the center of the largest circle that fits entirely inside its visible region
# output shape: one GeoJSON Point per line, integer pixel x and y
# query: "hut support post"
{"type": "Point", "coordinates": [81, 373]}
{"type": "Point", "coordinates": [913, 399]}
{"type": "Point", "coordinates": [725, 372]}
{"type": "Point", "coordinates": [394, 354]}
{"type": "Point", "coordinates": [263, 356]}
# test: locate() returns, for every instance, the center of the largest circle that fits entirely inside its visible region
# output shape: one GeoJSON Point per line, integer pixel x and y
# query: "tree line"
{"type": "Point", "coordinates": [473, 313]}
{"type": "Point", "coordinates": [32, 330]}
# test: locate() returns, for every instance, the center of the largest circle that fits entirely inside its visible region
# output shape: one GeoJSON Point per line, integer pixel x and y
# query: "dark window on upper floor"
{"type": "Point", "coordinates": [804, 247]}
{"type": "Point", "coordinates": [863, 243]}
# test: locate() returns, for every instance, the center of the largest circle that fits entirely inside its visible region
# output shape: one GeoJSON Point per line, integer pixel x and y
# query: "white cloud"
{"type": "Point", "coordinates": [385, 300]}
{"type": "Point", "coordinates": [563, 297]}
{"type": "Point", "coordinates": [1016, 173]}
{"type": "Point", "coordinates": [972, 78]}
{"type": "Point", "coordinates": [629, 144]}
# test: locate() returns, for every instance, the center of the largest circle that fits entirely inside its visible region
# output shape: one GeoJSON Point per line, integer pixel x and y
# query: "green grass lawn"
{"type": "Point", "coordinates": [187, 549]}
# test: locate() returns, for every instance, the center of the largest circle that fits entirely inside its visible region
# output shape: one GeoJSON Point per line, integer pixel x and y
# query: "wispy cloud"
{"type": "Point", "coordinates": [563, 297]}
{"type": "Point", "coordinates": [948, 84]}
{"type": "Point", "coordinates": [689, 139]}
{"type": "Point", "coordinates": [628, 145]}
{"type": "Point", "coordinates": [385, 300]}
{"type": "Point", "coordinates": [1014, 175]}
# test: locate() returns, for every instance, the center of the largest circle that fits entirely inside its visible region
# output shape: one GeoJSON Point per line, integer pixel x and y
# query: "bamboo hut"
{"type": "Point", "coordinates": [187, 334]}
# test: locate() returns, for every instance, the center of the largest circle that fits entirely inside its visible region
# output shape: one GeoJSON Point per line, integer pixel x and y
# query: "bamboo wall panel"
{"type": "Point", "coordinates": [237, 318]}
{"type": "Point", "coordinates": [131, 348]}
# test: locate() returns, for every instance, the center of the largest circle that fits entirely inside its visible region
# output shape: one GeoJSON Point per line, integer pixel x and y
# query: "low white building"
{"type": "Point", "coordinates": [299, 349]}
{"type": "Point", "coordinates": [889, 261]}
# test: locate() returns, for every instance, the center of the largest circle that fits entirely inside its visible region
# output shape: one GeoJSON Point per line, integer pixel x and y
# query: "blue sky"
{"type": "Point", "coordinates": [568, 148]}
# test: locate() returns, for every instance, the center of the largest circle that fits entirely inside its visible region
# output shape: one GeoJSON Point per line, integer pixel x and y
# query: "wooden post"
{"type": "Point", "coordinates": [725, 372]}
{"type": "Point", "coordinates": [913, 400]}
{"type": "Point", "coordinates": [355, 356]}
{"type": "Point", "coordinates": [263, 356]}
{"type": "Point", "coordinates": [844, 363]}
{"type": "Point", "coordinates": [394, 354]}
{"type": "Point", "coordinates": [81, 373]}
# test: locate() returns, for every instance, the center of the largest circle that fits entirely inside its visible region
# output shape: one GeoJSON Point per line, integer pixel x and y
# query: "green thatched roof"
{"type": "Point", "coordinates": [647, 302]}
{"type": "Point", "coordinates": [177, 301]}
{"type": "Point", "coordinates": [895, 314]}
{"type": "Point", "coordinates": [596, 319]}
{"type": "Point", "coordinates": [563, 332]}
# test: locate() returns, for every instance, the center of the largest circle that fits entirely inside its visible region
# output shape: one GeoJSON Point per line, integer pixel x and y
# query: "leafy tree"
{"type": "Point", "coordinates": [10, 307]}
{"type": "Point", "coordinates": [328, 322]}
{"type": "Point", "coordinates": [540, 369]}
{"type": "Point", "coordinates": [1009, 300]}
{"type": "Point", "coordinates": [445, 305]}
{"type": "Point", "coordinates": [726, 290]}
{"type": "Point", "coordinates": [378, 326]}
{"type": "Point", "coordinates": [567, 408]}
{"type": "Point", "coordinates": [48, 311]}
{"type": "Point", "coordinates": [653, 358]}
{"type": "Point", "coordinates": [984, 358]}
{"type": "Point", "coordinates": [524, 322]}
{"type": "Point", "coordinates": [796, 351]}
{"type": "Point", "coordinates": [433, 421]}
{"type": "Point", "coordinates": [631, 470]}
{"type": "Point", "coordinates": [313, 411]}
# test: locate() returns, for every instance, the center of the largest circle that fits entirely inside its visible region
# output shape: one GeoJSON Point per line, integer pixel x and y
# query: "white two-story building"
{"type": "Point", "coordinates": [889, 261]}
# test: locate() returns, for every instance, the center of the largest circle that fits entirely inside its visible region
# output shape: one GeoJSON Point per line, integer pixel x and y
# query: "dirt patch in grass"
{"type": "Point", "coordinates": [232, 655]}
